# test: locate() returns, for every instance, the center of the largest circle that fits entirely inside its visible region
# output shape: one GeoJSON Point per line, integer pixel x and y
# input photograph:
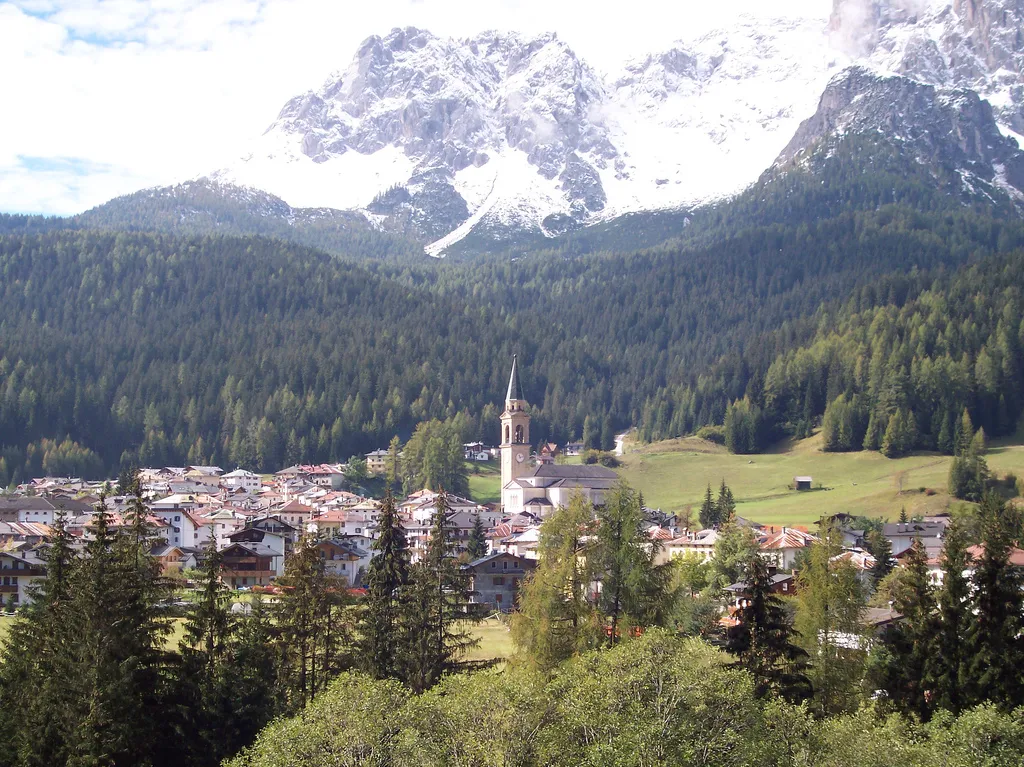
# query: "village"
{"type": "Point", "coordinates": [256, 522]}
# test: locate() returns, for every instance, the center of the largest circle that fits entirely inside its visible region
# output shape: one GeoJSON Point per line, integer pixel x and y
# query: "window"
{"type": "Point", "coordinates": [493, 564]}
{"type": "Point", "coordinates": [504, 565]}
{"type": "Point", "coordinates": [177, 518]}
{"type": "Point", "coordinates": [519, 434]}
{"type": "Point", "coordinates": [499, 581]}
{"type": "Point", "coordinates": [497, 598]}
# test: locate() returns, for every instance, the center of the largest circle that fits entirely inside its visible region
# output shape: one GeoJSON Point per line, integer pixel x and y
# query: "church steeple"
{"type": "Point", "coordinates": [515, 391]}
{"type": "Point", "coordinates": [515, 431]}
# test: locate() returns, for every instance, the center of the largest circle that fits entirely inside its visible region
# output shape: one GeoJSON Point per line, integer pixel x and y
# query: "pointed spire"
{"type": "Point", "coordinates": [515, 391]}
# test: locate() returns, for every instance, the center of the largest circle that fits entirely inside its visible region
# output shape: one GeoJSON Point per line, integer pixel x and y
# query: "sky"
{"type": "Point", "coordinates": [105, 97]}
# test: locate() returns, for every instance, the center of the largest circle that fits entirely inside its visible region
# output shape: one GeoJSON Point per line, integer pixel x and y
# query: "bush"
{"type": "Point", "coordinates": [714, 434]}
{"type": "Point", "coordinates": [591, 457]}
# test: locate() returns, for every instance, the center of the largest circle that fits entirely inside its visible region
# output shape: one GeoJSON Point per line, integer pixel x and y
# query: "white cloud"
{"type": "Point", "coordinates": [144, 92]}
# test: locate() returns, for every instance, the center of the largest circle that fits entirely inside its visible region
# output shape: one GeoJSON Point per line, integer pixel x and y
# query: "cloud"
{"type": "Point", "coordinates": [148, 92]}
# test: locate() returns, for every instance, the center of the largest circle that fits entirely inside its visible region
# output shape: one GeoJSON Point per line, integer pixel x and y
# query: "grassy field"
{"type": "Point", "coordinates": [484, 481]}
{"type": "Point", "coordinates": [675, 473]}
{"type": "Point", "coordinates": [495, 639]}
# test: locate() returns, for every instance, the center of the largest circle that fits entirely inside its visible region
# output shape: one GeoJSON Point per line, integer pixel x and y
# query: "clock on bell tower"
{"type": "Point", "coordinates": [515, 431]}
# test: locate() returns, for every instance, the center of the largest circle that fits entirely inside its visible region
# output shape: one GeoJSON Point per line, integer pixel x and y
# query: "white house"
{"type": "Point", "coordinates": [240, 478]}
{"type": "Point", "coordinates": [18, 572]}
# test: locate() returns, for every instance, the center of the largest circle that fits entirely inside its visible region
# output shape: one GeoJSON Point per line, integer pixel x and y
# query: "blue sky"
{"type": "Point", "coordinates": [105, 97]}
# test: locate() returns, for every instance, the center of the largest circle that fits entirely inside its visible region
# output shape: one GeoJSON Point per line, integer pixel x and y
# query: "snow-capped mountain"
{"type": "Point", "coordinates": [436, 137]}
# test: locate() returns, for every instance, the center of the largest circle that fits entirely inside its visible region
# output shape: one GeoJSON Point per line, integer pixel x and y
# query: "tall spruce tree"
{"type": "Point", "coordinates": [725, 505]}
{"type": "Point", "coordinates": [119, 655]}
{"type": "Point", "coordinates": [476, 545]}
{"type": "Point", "coordinates": [386, 583]}
{"type": "Point", "coordinates": [434, 633]}
{"type": "Point", "coordinates": [761, 639]}
{"type": "Point", "coordinates": [709, 510]}
{"type": "Point", "coordinates": [312, 621]}
{"type": "Point", "coordinates": [37, 668]}
{"type": "Point", "coordinates": [908, 645]}
{"type": "Point", "coordinates": [880, 549]}
{"type": "Point", "coordinates": [994, 641]}
{"type": "Point", "coordinates": [948, 669]}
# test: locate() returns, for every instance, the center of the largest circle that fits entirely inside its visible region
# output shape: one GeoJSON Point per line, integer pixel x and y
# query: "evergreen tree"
{"type": "Point", "coordinates": [435, 614]}
{"type": "Point", "coordinates": [761, 639]}
{"type": "Point", "coordinates": [994, 642]}
{"type": "Point", "coordinates": [830, 603]}
{"type": "Point", "coordinates": [315, 637]}
{"type": "Point", "coordinates": [909, 644]}
{"type": "Point", "coordinates": [476, 545]}
{"type": "Point", "coordinates": [726, 505]}
{"type": "Point", "coordinates": [881, 550]}
{"type": "Point", "coordinates": [948, 670]}
{"type": "Point", "coordinates": [119, 656]}
{"type": "Point", "coordinates": [633, 588]}
{"type": "Point", "coordinates": [556, 618]}
{"type": "Point", "coordinates": [386, 582]}
{"type": "Point", "coordinates": [394, 468]}
{"type": "Point", "coordinates": [37, 671]}
{"type": "Point", "coordinates": [709, 511]}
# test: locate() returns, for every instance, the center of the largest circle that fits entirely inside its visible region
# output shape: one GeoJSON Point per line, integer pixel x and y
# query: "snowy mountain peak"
{"type": "Point", "coordinates": [503, 132]}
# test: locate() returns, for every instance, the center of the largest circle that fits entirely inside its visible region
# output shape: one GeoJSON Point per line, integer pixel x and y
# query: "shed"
{"type": "Point", "coordinates": [802, 483]}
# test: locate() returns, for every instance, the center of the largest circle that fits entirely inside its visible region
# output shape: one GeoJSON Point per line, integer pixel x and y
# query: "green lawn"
{"type": "Point", "coordinates": [495, 640]}
{"type": "Point", "coordinates": [674, 474]}
{"type": "Point", "coordinates": [484, 481]}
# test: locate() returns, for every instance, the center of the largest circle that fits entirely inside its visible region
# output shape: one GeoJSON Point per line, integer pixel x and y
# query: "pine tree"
{"type": "Point", "coordinates": [947, 672]}
{"type": "Point", "coordinates": [37, 671]}
{"type": "Point", "coordinates": [994, 642]}
{"type": "Point", "coordinates": [761, 639]}
{"type": "Point", "coordinates": [120, 656]}
{"type": "Point", "coordinates": [434, 634]}
{"type": "Point", "coordinates": [314, 633]}
{"type": "Point", "coordinates": [476, 545]}
{"type": "Point", "coordinates": [725, 507]}
{"type": "Point", "coordinates": [909, 644]}
{"type": "Point", "coordinates": [556, 618]}
{"type": "Point", "coordinates": [881, 549]}
{"type": "Point", "coordinates": [386, 582]}
{"type": "Point", "coordinates": [709, 511]}
{"type": "Point", "coordinates": [250, 680]}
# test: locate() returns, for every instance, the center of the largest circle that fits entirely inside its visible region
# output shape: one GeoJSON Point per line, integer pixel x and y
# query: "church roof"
{"type": "Point", "coordinates": [515, 391]}
{"type": "Point", "coordinates": [583, 471]}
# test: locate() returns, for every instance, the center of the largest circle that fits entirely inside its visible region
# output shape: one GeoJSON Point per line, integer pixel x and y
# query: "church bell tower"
{"type": "Point", "coordinates": [515, 431]}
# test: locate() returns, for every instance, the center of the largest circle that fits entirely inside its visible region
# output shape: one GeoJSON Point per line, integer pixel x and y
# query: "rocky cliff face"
{"type": "Point", "coordinates": [503, 133]}
{"type": "Point", "coordinates": [951, 130]}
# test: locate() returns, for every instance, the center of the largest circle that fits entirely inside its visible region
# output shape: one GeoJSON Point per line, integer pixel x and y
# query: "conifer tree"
{"type": "Point", "coordinates": [633, 588]}
{"type": "Point", "coordinates": [830, 603]}
{"type": "Point", "coordinates": [709, 511]}
{"type": "Point", "coordinates": [476, 544]}
{"type": "Point", "coordinates": [726, 505]}
{"type": "Point", "coordinates": [119, 655]}
{"type": "Point", "coordinates": [909, 643]}
{"type": "Point", "coordinates": [386, 581]}
{"type": "Point", "coordinates": [761, 639]}
{"type": "Point", "coordinates": [434, 635]}
{"type": "Point", "coordinates": [315, 636]}
{"type": "Point", "coordinates": [881, 550]}
{"type": "Point", "coordinates": [250, 680]}
{"type": "Point", "coordinates": [556, 617]}
{"type": "Point", "coordinates": [994, 642]}
{"type": "Point", "coordinates": [37, 666]}
{"type": "Point", "coordinates": [948, 669]}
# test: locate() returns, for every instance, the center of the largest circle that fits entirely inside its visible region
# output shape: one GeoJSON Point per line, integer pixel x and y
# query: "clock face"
{"type": "Point", "coordinates": [520, 457]}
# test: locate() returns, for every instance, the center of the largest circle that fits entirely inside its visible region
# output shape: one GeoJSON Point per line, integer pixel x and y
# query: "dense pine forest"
{"type": "Point", "coordinates": [133, 347]}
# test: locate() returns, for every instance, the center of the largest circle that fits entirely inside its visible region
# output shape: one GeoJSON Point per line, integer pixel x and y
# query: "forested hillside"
{"type": "Point", "coordinates": [160, 348]}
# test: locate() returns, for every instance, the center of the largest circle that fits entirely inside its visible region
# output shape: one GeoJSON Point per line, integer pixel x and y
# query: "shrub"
{"type": "Point", "coordinates": [714, 434]}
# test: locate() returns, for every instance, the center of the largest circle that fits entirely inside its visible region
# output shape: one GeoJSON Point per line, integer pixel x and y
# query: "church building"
{"type": "Point", "coordinates": [541, 488]}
